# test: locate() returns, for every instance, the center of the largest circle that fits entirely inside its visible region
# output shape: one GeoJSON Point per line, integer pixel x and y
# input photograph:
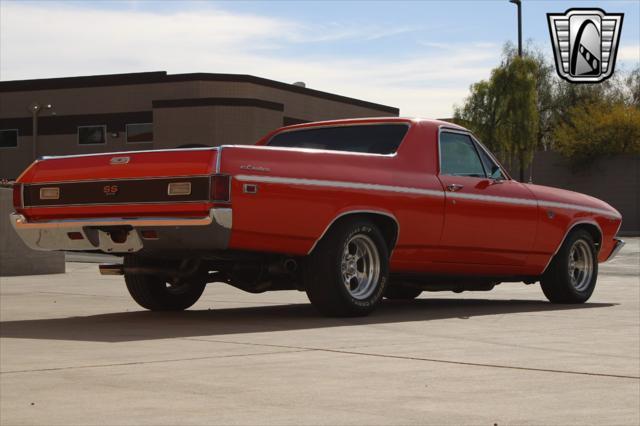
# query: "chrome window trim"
{"type": "Point", "coordinates": [17, 138]}
{"type": "Point", "coordinates": [126, 132]}
{"type": "Point", "coordinates": [444, 128]}
{"type": "Point", "coordinates": [377, 212]}
{"type": "Point", "coordinates": [475, 149]}
{"type": "Point", "coordinates": [104, 129]}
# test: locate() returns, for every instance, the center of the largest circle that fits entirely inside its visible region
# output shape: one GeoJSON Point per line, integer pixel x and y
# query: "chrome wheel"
{"type": "Point", "coordinates": [360, 266]}
{"type": "Point", "coordinates": [580, 265]}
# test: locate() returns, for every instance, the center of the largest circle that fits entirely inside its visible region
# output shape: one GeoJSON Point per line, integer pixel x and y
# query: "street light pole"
{"type": "Point", "coordinates": [519, 4]}
{"type": "Point", "coordinates": [35, 108]}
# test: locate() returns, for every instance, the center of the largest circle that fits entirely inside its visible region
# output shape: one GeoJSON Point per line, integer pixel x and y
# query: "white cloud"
{"type": "Point", "coordinates": [49, 40]}
{"type": "Point", "coordinates": [629, 52]}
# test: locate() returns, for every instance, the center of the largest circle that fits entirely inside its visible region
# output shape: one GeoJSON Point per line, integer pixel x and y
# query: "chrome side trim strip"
{"type": "Point", "coordinates": [580, 208]}
{"type": "Point", "coordinates": [494, 199]}
{"type": "Point", "coordinates": [616, 248]}
{"type": "Point", "coordinates": [420, 191]}
{"type": "Point", "coordinates": [339, 184]}
{"type": "Point", "coordinates": [377, 212]}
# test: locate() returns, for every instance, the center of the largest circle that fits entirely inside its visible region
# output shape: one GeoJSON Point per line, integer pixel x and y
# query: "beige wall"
{"type": "Point", "coordinates": [212, 125]}
{"type": "Point", "coordinates": [615, 180]}
{"type": "Point", "coordinates": [15, 257]}
{"type": "Point", "coordinates": [209, 125]}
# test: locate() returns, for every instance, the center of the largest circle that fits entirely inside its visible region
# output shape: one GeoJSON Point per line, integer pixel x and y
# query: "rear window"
{"type": "Point", "coordinates": [372, 139]}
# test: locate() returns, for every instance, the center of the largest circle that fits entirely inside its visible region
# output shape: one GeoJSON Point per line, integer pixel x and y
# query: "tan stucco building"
{"type": "Point", "coordinates": [154, 110]}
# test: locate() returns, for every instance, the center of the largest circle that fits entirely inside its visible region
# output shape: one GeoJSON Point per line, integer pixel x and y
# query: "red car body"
{"type": "Point", "coordinates": [283, 200]}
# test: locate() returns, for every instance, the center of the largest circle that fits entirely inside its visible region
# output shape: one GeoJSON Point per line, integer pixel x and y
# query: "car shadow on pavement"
{"type": "Point", "coordinates": [145, 325]}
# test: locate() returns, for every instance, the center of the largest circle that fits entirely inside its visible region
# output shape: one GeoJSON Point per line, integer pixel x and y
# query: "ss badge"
{"type": "Point", "coordinates": [110, 190]}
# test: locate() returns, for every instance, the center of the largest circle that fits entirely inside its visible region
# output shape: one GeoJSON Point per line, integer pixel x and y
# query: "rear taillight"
{"type": "Point", "coordinates": [220, 188]}
{"type": "Point", "coordinates": [17, 196]}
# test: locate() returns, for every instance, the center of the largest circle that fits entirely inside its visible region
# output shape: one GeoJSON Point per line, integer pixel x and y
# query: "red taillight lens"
{"type": "Point", "coordinates": [17, 195]}
{"type": "Point", "coordinates": [220, 188]}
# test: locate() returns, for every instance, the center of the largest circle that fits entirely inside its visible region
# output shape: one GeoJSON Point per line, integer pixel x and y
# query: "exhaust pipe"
{"type": "Point", "coordinates": [186, 269]}
{"type": "Point", "coordinates": [111, 269]}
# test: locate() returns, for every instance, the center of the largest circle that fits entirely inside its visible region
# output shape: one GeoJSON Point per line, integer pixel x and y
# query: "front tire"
{"type": "Point", "coordinates": [571, 276]}
{"type": "Point", "coordinates": [154, 293]}
{"type": "Point", "coordinates": [347, 271]}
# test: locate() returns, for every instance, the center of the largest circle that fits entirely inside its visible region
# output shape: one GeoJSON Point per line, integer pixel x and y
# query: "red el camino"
{"type": "Point", "coordinates": [349, 211]}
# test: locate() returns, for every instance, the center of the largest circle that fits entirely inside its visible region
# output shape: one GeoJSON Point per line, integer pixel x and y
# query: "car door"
{"type": "Point", "coordinates": [489, 219]}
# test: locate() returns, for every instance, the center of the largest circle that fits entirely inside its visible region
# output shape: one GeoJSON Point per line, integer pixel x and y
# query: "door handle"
{"type": "Point", "coordinates": [453, 187]}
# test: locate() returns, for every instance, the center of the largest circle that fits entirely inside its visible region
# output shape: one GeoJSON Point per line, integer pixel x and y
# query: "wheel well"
{"type": "Point", "coordinates": [387, 225]}
{"type": "Point", "coordinates": [593, 230]}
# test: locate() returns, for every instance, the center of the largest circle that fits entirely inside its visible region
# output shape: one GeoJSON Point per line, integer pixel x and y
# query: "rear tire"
{"type": "Point", "coordinates": [156, 294]}
{"type": "Point", "coordinates": [346, 274]}
{"type": "Point", "coordinates": [571, 276]}
{"type": "Point", "coordinates": [401, 293]}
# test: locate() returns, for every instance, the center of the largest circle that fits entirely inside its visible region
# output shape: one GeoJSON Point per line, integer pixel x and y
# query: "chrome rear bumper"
{"type": "Point", "coordinates": [123, 235]}
{"type": "Point", "coordinates": [616, 248]}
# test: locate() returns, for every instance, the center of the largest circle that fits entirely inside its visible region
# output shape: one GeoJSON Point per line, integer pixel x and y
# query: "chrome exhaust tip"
{"type": "Point", "coordinates": [111, 269]}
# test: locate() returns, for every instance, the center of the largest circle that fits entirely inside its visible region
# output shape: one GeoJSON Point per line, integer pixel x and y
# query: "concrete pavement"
{"type": "Point", "coordinates": [75, 349]}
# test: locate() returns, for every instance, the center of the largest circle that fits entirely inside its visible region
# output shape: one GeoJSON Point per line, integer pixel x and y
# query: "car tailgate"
{"type": "Point", "coordinates": [124, 183]}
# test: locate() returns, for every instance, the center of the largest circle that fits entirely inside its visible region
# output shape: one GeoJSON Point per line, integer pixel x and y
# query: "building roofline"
{"type": "Point", "coordinates": [163, 77]}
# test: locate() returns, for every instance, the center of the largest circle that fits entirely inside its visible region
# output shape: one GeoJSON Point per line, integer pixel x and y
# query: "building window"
{"type": "Point", "coordinates": [9, 138]}
{"type": "Point", "coordinates": [92, 135]}
{"type": "Point", "coordinates": [140, 132]}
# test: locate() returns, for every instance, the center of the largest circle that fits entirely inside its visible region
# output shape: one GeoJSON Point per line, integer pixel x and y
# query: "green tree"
{"type": "Point", "coordinates": [504, 111]}
{"type": "Point", "coordinates": [593, 130]}
{"type": "Point", "coordinates": [633, 87]}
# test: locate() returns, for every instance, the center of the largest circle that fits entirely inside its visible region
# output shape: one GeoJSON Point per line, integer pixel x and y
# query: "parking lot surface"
{"type": "Point", "coordinates": [75, 349]}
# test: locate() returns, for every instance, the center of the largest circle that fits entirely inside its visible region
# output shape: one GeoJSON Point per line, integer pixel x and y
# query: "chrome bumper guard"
{"type": "Point", "coordinates": [95, 232]}
{"type": "Point", "coordinates": [616, 248]}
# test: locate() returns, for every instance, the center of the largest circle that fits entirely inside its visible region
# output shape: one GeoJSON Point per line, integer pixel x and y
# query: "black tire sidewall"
{"type": "Point", "coordinates": [557, 282]}
{"type": "Point", "coordinates": [370, 231]}
{"type": "Point", "coordinates": [324, 283]}
{"type": "Point", "coordinates": [150, 291]}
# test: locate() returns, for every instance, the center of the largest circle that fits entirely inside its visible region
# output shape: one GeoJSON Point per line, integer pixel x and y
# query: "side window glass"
{"type": "Point", "coordinates": [491, 168]}
{"type": "Point", "coordinates": [458, 156]}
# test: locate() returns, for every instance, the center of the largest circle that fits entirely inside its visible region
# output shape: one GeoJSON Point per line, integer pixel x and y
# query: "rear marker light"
{"type": "Point", "coordinates": [220, 188]}
{"type": "Point", "coordinates": [75, 235]}
{"type": "Point", "coordinates": [50, 193]}
{"type": "Point", "coordinates": [179, 188]}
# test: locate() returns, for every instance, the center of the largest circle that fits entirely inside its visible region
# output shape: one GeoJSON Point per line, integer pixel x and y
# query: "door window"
{"type": "Point", "coordinates": [458, 156]}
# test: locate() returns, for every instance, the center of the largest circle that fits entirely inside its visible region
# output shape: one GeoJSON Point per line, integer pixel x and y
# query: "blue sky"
{"type": "Point", "coordinates": [420, 56]}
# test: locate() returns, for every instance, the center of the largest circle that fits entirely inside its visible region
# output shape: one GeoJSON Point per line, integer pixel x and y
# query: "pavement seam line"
{"type": "Point", "coordinates": [159, 361]}
{"type": "Point", "coordinates": [441, 361]}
